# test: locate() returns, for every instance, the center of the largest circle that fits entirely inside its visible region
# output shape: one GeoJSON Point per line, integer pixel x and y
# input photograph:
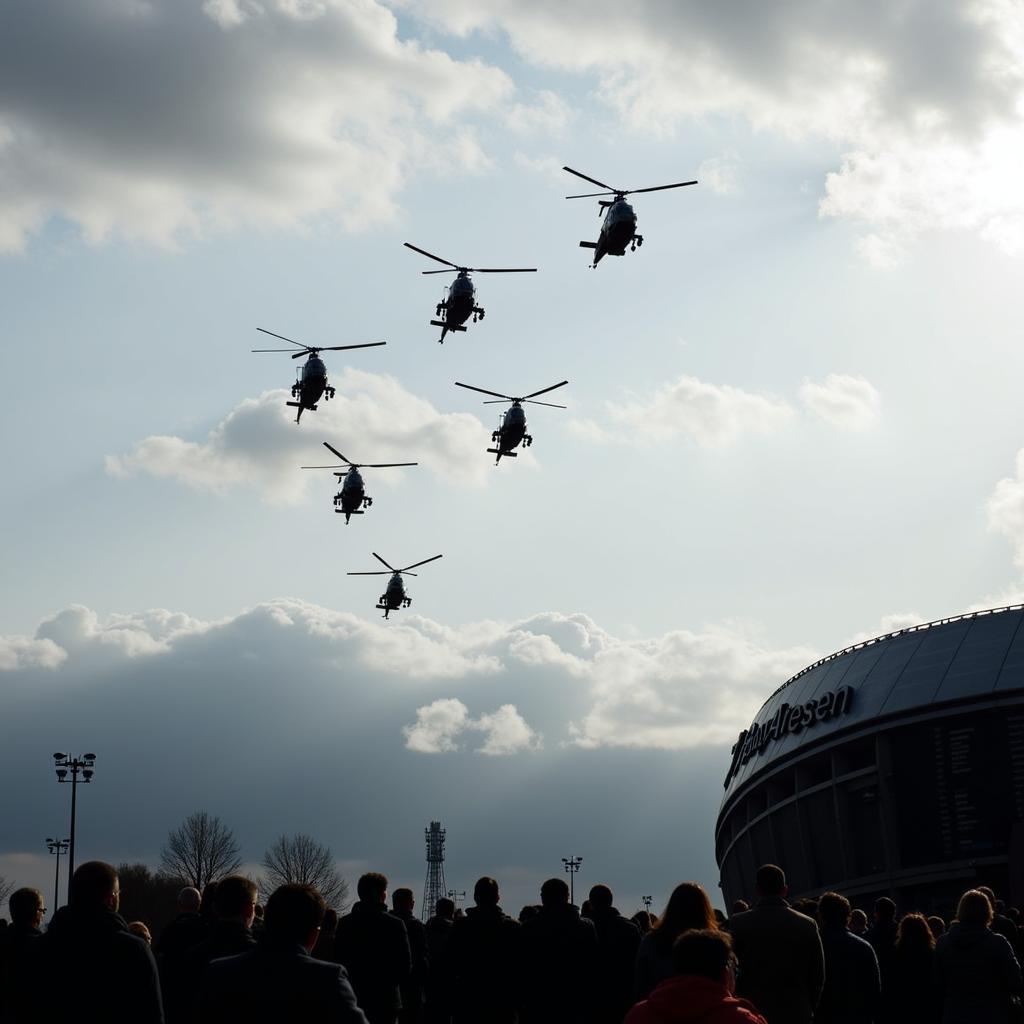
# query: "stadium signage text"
{"type": "Point", "coordinates": [787, 719]}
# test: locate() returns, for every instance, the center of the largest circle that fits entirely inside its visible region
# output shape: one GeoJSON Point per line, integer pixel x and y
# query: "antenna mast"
{"type": "Point", "coordinates": [434, 888]}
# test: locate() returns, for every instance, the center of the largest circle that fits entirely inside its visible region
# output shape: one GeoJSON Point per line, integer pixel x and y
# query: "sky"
{"type": "Point", "coordinates": [793, 414]}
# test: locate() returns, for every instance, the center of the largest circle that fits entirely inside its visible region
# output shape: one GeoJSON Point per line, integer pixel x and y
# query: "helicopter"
{"type": "Point", "coordinates": [455, 310]}
{"type": "Point", "coordinates": [394, 597]}
{"type": "Point", "coordinates": [512, 428]}
{"type": "Point", "coordinates": [352, 499]}
{"type": "Point", "coordinates": [312, 380]}
{"type": "Point", "coordinates": [619, 227]}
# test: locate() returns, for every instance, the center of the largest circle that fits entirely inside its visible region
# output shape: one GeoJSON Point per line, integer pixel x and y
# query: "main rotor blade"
{"type": "Point", "coordinates": [500, 401]}
{"type": "Point", "coordinates": [282, 337]}
{"type": "Point", "coordinates": [594, 195]}
{"type": "Point", "coordinates": [386, 465]}
{"type": "Point", "coordinates": [587, 177]}
{"type": "Point", "coordinates": [452, 271]}
{"type": "Point", "coordinates": [504, 270]}
{"type": "Point", "coordinates": [415, 564]}
{"type": "Point", "coordinates": [381, 560]}
{"type": "Point", "coordinates": [544, 391]}
{"type": "Point", "coordinates": [484, 391]}
{"type": "Point", "coordinates": [376, 573]}
{"type": "Point", "coordinates": [658, 188]}
{"type": "Point", "coordinates": [335, 468]}
{"type": "Point", "coordinates": [331, 448]}
{"type": "Point", "coordinates": [290, 351]}
{"type": "Point", "coordinates": [430, 255]}
{"type": "Point", "coordinates": [550, 405]}
{"type": "Point", "coordinates": [340, 348]}
{"type": "Point", "coordinates": [305, 351]}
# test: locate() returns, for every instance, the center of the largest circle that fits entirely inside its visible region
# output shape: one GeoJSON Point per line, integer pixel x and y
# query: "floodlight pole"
{"type": "Point", "coordinates": [572, 865]}
{"type": "Point", "coordinates": [647, 901]}
{"type": "Point", "coordinates": [58, 847]}
{"type": "Point", "coordinates": [63, 763]}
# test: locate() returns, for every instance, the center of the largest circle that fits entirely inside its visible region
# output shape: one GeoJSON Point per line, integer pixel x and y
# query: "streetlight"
{"type": "Point", "coordinates": [64, 763]}
{"type": "Point", "coordinates": [57, 846]}
{"type": "Point", "coordinates": [572, 865]}
{"type": "Point", "coordinates": [647, 901]}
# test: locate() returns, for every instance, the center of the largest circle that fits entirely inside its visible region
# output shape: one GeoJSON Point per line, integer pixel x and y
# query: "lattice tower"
{"type": "Point", "coordinates": [434, 887]}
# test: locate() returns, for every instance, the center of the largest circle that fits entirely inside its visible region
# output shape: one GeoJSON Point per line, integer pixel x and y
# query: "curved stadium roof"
{"type": "Point", "coordinates": [979, 655]}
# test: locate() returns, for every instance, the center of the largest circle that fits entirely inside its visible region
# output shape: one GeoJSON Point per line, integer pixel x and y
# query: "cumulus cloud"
{"type": "Point", "coordinates": [850, 403]}
{"type": "Point", "coordinates": [258, 444]}
{"type": "Point", "coordinates": [151, 120]}
{"type": "Point", "coordinates": [1005, 510]}
{"type": "Point", "coordinates": [440, 725]}
{"type": "Point", "coordinates": [29, 652]}
{"type": "Point", "coordinates": [924, 100]}
{"type": "Point", "coordinates": [712, 415]}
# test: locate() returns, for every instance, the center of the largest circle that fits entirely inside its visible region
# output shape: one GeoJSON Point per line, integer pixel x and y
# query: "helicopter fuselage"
{"type": "Point", "coordinates": [394, 597]}
{"type": "Point", "coordinates": [461, 301]}
{"type": "Point", "coordinates": [311, 385]}
{"type": "Point", "coordinates": [352, 496]}
{"type": "Point", "coordinates": [511, 433]}
{"type": "Point", "coordinates": [617, 230]}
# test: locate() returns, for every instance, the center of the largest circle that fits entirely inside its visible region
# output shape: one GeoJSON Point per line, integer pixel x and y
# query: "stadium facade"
{"type": "Point", "coordinates": [893, 767]}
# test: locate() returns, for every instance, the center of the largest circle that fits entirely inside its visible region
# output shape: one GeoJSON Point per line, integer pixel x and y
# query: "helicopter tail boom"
{"type": "Point", "coordinates": [507, 455]}
{"type": "Point", "coordinates": [588, 245]}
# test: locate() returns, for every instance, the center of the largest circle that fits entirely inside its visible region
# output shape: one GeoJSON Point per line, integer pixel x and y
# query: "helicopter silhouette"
{"type": "Point", "coordinates": [395, 596]}
{"type": "Point", "coordinates": [312, 379]}
{"type": "Point", "coordinates": [460, 301]}
{"type": "Point", "coordinates": [352, 498]}
{"type": "Point", "coordinates": [512, 428]}
{"type": "Point", "coordinates": [619, 227]}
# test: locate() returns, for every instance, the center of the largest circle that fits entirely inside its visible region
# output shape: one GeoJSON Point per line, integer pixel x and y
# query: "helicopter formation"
{"type": "Point", "coordinates": [618, 231]}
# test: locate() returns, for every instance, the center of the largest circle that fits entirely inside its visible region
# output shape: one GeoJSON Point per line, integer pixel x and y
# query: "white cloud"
{"type": "Point", "coordinates": [548, 115]}
{"type": "Point", "coordinates": [440, 725]}
{"type": "Point", "coordinates": [708, 414]}
{"type": "Point", "coordinates": [891, 623]}
{"type": "Point", "coordinates": [850, 403]}
{"type": "Point", "coordinates": [1005, 510]}
{"type": "Point", "coordinates": [265, 113]}
{"type": "Point", "coordinates": [721, 174]}
{"type": "Point", "coordinates": [925, 100]}
{"type": "Point", "coordinates": [28, 652]}
{"type": "Point", "coordinates": [258, 444]}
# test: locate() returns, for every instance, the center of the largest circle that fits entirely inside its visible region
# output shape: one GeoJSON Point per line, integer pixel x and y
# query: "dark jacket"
{"type": "Point", "coordinates": [485, 956]}
{"type": "Point", "coordinates": [617, 943]}
{"type": "Point", "coordinates": [374, 947]}
{"type": "Point", "coordinates": [439, 974]}
{"type": "Point", "coordinates": [976, 974]}
{"type": "Point", "coordinates": [882, 936]}
{"type": "Point", "coordinates": [690, 1000]}
{"type": "Point", "coordinates": [412, 990]}
{"type": "Point", "coordinates": [92, 970]}
{"type": "Point", "coordinates": [781, 962]}
{"type": "Point", "coordinates": [17, 997]}
{"type": "Point", "coordinates": [560, 950]}
{"type": "Point", "coordinates": [274, 982]}
{"type": "Point", "coordinates": [908, 991]}
{"type": "Point", "coordinates": [653, 964]}
{"type": "Point", "coordinates": [852, 982]}
{"type": "Point", "coordinates": [181, 934]}
{"type": "Point", "coordinates": [227, 938]}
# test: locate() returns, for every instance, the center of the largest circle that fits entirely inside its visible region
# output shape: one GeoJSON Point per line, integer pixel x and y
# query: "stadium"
{"type": "Point", "coordinates": [893, 767]}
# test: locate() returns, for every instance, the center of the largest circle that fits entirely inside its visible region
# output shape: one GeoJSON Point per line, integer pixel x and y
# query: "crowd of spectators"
{"type": "Point", "coordinates": [226, 959]}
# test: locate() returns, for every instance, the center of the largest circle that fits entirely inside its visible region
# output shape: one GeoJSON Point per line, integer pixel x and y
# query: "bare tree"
{"type": "Point", "coordinates": [301, 859]}
{"type": "Point", "coordinates": [201, 849]}
{"type": "Point", "coordinates": [6, 888]}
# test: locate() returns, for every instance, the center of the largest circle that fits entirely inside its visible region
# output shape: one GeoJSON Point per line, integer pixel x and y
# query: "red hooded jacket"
{"type": "Point", "coordinates": [687, 999]}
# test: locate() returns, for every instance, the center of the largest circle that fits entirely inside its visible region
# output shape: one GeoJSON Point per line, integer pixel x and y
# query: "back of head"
{"type": "Point", "coordinates": [601, 897]}
{"type": "Point", "coordinates": [403, 900]}
{"type": "Point", "coordinates": [445, 908]}
{"type": "Point", "coordinates": [293, 914]}
{"type": "Point", "coordinates": [833, 910]}
{"type": "Point", "coordinates": [702, 953]}
{"type": "Point", "coordinates": [485, 892]}
{"type": "Point", "coordinates": [209, 895]}
{"type": "Point", "coordinates": [936, 925]}
{"type": "Point", "coordinates": [688, 907]}
{"type": "Point", "coordinates": [372, 887]}
{"type": "Point", "coordinates": [885, 910]}
{"type": "Point", "coordinates": [189, 900]}
{"type": "Point", "coordinates": [235, 897]}
{"type": "Point", "coordinates": [858, 922]}
{"type": "Point", "coordinates": [25, 906]}
{"type": "Point", "coordinates": [989, 892]}
{"type": "Point", "coordinates": [914, 934]}
{"type": "Point", "coordinates": [92, 885]}
{"type": "Point", "coordinates": [770, 880]}
{"type": "Point", "coordinates": [554, 893]}
{"type": "Point", "coordinates": [974, 908]}
{"type": "Point", "coordinates": [739, 907]}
